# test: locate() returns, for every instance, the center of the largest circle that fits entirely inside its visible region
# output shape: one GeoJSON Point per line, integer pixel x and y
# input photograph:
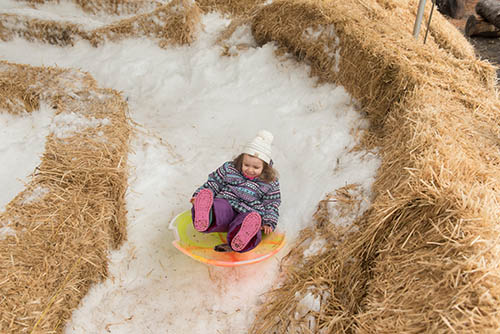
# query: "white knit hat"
{"type": "Point", "coordinates": [260, 146]}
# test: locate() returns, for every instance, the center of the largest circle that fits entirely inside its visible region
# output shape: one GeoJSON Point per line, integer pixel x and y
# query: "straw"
{"type": "Point", "coordinates": [72, 212]}
{"type": "Point", "coordinates": [423, 258]}
{"type": "Point", "coordinates": [175, 23]}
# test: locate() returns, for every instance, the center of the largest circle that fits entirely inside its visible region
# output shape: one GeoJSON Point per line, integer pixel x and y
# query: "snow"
{"type": "Point", "coordinates": [308, 303]}
{"type": "Point", "coordinates": [60, 11]}
{"type": "Point", "coordinates": [195, 109]}
{"type": "Point", "coordinates": [329, 37]}
{"type": "Point", "coordinates": [36, 194]}
{"type": "Point", "coordinates": [22, 146]}
{"type": "Point", "coordinates": [66, 125]}
{"type": "Point", "coordinates": [316, 247]}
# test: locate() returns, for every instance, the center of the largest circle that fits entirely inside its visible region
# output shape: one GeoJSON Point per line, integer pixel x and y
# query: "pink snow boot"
{"type": "Point", "coordinates": [202, 206]}
{"type": "Point", "coordinates": [249, 228]}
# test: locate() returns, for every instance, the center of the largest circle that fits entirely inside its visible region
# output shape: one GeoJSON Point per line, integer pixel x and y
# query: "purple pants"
{"type": "Point", "coordinates": [225, 219]}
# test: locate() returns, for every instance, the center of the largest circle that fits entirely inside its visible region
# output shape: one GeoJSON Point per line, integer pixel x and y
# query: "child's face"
{"type": "Point", "coordinates": [252, 166]}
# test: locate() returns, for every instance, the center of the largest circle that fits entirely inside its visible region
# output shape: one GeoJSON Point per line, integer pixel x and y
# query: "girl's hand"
{"type": "Point", "coordinates": [267, 229]}
{"type": "Point", "coordinates": [192, 200]}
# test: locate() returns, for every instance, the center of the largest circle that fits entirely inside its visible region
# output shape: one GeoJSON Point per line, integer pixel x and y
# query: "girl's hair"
{"type": "Point", "coordinates": [269, 174]}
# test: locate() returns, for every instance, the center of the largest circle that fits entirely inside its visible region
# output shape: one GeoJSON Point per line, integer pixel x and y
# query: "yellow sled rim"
{"type": "Point", "coordinates": [200, 246]}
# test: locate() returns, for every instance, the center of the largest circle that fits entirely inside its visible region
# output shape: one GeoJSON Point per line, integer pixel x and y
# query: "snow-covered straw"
{"type": "Point", "coordinates": [66, 125]}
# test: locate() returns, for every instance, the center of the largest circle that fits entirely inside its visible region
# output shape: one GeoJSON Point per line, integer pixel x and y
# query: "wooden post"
{"type": "Point", "coordinates": [490, 11]}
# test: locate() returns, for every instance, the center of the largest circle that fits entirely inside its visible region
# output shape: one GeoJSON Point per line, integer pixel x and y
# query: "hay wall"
{"type": "Point", "coordinates": [235, 8]}
{"type": "Point", "coordinates": [425, 258]}
{"type": "Point", "coordinates": [72, 211]}
{"type": "Point", "coordinates": [113, 7]}
{"type": "Point", "coordinates": [117, 7]}
{"type": "Point", "coordinates": [175, 23]}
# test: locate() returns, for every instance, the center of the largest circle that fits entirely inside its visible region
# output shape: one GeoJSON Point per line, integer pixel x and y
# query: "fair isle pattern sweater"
{"type": "Point", "coordinates": [245, 195]}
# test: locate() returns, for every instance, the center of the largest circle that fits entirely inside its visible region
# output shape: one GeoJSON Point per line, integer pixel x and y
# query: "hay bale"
{"type": "Point", "coordinates": [175, 23]}
{"type": "Point", "coordinates": [72, 211]}
{"type": "Point", "coordinates": [235, 8]}
{"type": "Point", "coordinates": [327, 275]}
{"type": "Point", "coordinates": [17, 94]}
{"type": "Point", "coordinates": [113, 7]}
{"type": "Point", "coordinates": [117, 7]}
{"type": "Point", "coordinates": [431, 239]}
{"type": "Point", "coordinates": [32, 29]}
{"type": "Point", "coordinates": [425, 257]}
{"type": "Point", "coordinates": [376, 34]}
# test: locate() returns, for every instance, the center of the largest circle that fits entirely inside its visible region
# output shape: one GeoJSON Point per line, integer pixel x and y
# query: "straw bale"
{"type": "Point", "coordinates": [433, 236]}
{"type": "Point", "coordinates": [117, 7]}
{"type": "Point", "coordinates": [365, 29]}
{"type": "Point", "coordinates": [17, 94]}
{"type": "Point", "coordinates": [72, 211]}
{"type": "Point", "coordinates": [425, 257]}
{"type": "Point", "coordinates": [113, 7]}
{"type": "Point", "coordinates": [174, 23]}
{"type": "Point", "coordinates": [32, 29]}
{"type": "Point", "coordinates": [235, 8]}
{"type": "Point", "coordinates": [326, 275]}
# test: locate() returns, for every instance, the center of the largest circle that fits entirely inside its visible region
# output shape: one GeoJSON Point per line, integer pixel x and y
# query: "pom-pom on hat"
{"type": "Point", "coordinates": [260, 146]}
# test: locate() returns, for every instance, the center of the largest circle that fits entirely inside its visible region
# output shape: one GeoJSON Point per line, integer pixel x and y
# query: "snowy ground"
{"type": "Point", "coordinates": [196, 109]}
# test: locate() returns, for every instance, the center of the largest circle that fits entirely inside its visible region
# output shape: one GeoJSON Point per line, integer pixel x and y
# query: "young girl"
{"type": "Point", "coordinates": [242, 197]}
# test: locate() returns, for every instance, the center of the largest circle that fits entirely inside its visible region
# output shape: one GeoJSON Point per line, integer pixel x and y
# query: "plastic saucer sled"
{"type": "Point", "coordinates": [200, 246]}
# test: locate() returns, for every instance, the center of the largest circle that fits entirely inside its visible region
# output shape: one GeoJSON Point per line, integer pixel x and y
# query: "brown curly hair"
{"type": "Point", "coordinates": [269, 174]}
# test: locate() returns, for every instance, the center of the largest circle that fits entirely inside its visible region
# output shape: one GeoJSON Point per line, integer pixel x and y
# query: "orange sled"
{"type": "Point", "coordinates": [200, 246]}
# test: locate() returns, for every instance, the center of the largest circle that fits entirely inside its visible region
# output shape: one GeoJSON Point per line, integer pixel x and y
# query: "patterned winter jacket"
{"type": "Point", "coordinates": [244, 194]}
